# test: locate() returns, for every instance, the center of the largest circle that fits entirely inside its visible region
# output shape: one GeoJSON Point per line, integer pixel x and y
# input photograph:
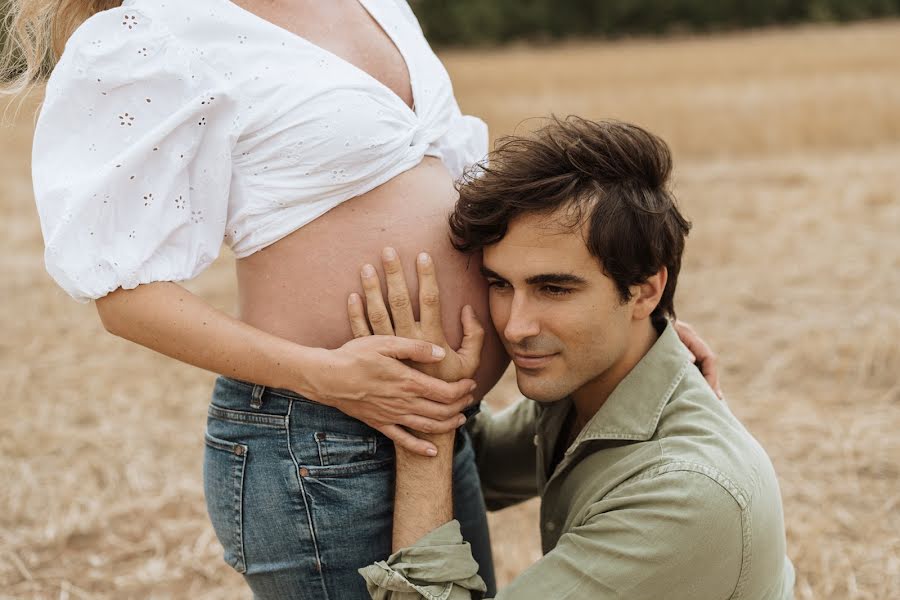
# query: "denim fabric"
{"type": "Point", "coordinates": [301, 496]}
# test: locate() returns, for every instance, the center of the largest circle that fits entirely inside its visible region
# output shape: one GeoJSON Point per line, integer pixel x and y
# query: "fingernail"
{"type": "Point", "coordinates": [431, 452]}
{"type": "Point", "coordinates": [472, 389]}
{"type": "Point", "coordinates": [693, 358]}
{"type": "Point", "coordinates": [423, 258]}
{"type": "Point", "coordinates": [720, 394]}
{"type": "Point", "coordinates": [368, 271]}
{"type": "Point", "coordinates": [462, 420]}
{"type": "Point", "coordinates": [353, 299]}
{"type": "Point", "coordinates": [389, 253]}
{"type": "Point", "coordinates": [437, 351]}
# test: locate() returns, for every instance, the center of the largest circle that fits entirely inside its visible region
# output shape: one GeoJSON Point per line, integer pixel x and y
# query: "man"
{"type": "Point", "coordinates": [650, 487]}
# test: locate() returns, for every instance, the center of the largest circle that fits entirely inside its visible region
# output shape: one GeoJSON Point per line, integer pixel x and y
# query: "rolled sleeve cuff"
{"type": "Point", "coordinates": [437, 567]}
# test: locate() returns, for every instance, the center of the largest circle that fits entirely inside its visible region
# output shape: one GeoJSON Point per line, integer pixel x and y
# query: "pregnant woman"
{"type": "Point", "coordinates": [285, 130]}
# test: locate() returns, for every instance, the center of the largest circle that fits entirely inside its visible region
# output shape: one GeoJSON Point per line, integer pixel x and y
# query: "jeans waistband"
{"type": "Point", "coordinates": [236, 394]}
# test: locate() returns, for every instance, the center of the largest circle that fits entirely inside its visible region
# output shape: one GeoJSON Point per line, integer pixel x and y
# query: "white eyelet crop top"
{"type": "Point", "coordinates": [169, 127]}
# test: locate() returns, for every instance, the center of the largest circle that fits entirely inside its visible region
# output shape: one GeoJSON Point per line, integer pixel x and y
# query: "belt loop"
{"type": "Point", "coordinates": [256, 396]}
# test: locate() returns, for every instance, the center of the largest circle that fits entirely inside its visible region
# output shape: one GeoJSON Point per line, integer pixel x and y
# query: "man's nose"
{"type": "Point", "coordinates": [522, 323]}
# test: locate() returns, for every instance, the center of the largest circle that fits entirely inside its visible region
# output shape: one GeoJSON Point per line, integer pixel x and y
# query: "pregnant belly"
{"type": "Point", "coordinates": [297, 288]}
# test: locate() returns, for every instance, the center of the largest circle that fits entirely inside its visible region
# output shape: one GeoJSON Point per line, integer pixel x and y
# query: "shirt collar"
{"type": "Point", "coordinates": [633, 409]}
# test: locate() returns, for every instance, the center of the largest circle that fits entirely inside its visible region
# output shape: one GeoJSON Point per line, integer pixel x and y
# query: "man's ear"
{"type": "Point", "coordinates": [646, 295]}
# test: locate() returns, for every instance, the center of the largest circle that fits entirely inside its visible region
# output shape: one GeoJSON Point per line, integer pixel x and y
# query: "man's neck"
{"type": "Point", "coordinates": [588, 399]}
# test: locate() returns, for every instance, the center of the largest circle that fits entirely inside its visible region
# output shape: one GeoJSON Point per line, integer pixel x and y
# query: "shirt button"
{"type": "Point", "coordinates": [304, 472]}
{"type": "Point", "coordinates": [551, 526]}
{"type": "Point", "coordinates": [537, 440]}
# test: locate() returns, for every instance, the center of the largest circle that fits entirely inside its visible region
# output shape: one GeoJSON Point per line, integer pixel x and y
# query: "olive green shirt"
{"type": "Point", "coordinates": [662, 495]}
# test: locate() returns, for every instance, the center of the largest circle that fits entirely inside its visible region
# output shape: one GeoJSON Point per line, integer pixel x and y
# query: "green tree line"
{"type": "Point", "coordinates": [467, 22]}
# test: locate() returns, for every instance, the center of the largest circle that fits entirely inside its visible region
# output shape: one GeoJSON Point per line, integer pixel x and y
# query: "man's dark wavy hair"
{"type": "Point", "coordinates": [613, 179]}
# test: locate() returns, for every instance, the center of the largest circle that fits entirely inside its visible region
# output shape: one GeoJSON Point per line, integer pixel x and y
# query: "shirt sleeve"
{"type": "Point", "coordinates": [505, 453]}
{"type": "Point", "coordinates": [677, 536]}
{"type": "Point", "coordinates": [131, 158]}
{"type": "Point", "coordinates": [438, 566]}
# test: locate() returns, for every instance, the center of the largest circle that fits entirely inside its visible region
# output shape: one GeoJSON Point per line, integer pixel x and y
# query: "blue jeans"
{"type": "Point", "coordinates": [301, 495]}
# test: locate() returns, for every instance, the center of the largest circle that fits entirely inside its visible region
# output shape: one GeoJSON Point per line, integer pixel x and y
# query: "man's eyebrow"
{"type": "Point", "coordinates": [542, 279]}
{"type": "Point", "coordinates": [487, 273]}
{"type": "Point", "coordinates": [556, 279]}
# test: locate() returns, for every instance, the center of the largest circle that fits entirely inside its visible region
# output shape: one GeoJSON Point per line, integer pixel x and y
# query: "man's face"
{"type": "Point", "coordinates": [560, 317]}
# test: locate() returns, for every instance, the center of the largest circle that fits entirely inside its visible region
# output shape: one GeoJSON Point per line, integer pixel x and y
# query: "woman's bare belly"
{"type": "Point", "coordinates": [297, 288]}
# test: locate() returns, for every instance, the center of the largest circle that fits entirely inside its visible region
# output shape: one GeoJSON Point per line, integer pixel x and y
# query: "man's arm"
{"type": "Point", "coordinates": [423, 498]}
{"type": "Point", "coordinates": [423, 487]}
{"type": "Point", "coordinates": [424, 494]}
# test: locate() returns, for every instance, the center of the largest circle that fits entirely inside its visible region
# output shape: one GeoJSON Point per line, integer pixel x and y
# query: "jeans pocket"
{"type": "Point", "coordinates": [344, 454]}
{"type": "Point", "coordinates": [340, 449]}
{"type": "Point", "coordinates": [223, 485]}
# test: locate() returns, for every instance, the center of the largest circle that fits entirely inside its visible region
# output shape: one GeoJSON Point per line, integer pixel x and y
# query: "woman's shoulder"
{"type": "Point", "coordinates": [106, 32]}
{"type": "Point", "coordinates": [149, 42]}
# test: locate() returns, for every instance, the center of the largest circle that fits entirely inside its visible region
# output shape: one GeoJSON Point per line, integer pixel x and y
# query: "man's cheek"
{"type": "Point", "coordinates": [499, 314]}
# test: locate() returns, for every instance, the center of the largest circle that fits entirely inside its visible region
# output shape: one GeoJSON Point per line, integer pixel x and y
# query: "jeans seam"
{"type": "Point", "coordinates": [323, 452]}
{"type": "Point", "coordinates": [240, 511]}
{"type": "Point", "coordinates": [242, 417]}
{"type": "Point", "coordinates": [238, 465]}
{"type": "Point", "coordinates": [309, 519]}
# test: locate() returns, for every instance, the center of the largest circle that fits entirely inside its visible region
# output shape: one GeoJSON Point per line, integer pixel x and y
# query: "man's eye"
{"type": "Point", "coordinates": [497, 285]}
{"type": "Point", "coordinates": [555, 290]}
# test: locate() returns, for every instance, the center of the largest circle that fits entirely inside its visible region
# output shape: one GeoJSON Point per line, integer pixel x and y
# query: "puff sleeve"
{"type": "Point", "coordinates": [132, 158]}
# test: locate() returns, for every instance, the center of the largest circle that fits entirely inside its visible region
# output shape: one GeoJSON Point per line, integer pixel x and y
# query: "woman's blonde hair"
{"type": "Point", "coordinates": [33, 34]}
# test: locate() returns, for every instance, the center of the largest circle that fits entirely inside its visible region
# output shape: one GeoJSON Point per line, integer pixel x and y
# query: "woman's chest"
{"type": "Point", "coordinates": [348, 31]}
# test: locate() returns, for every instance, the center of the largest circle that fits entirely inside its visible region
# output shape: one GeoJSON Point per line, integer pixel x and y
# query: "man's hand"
{"type": "Point", "coordinates": [459, 364]}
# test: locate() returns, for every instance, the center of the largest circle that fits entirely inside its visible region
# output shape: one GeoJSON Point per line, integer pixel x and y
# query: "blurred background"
{"type": "Point", "coordinates": [784, 120]}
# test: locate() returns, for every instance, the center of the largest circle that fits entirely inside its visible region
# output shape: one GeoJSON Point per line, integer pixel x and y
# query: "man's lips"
{"type": "Point", "coordinates": [531, 361]}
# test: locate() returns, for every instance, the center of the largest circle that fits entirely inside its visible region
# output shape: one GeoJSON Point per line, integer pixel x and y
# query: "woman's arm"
{"type": "Point", "coordinates": [363, 378]}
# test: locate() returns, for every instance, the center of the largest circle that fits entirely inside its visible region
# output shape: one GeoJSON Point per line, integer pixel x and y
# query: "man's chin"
{"type": "Point", "coordinates": [540, 387]}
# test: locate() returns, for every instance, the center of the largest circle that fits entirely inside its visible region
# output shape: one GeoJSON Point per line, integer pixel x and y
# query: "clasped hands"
{"type": "Point", "coordinates": [374, 318]}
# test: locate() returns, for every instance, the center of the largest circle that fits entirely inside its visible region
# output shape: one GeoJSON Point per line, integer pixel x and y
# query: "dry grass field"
{"type": "Point", "coordinates": [787, 147]}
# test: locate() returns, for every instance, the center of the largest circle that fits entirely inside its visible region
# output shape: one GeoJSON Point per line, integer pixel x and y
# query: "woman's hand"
{"type": "Point", "coordinates": [365, 379]}
{"type": "Point", "coordinates": [458, 364]}
{"type": "Point", "coordinates": [705, 359]}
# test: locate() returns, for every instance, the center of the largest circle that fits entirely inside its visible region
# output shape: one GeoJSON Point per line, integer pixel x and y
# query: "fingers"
{"type": "Point", "coordinates": [429, 300]}
{"type": "Point", "coordinates": [703, 355]}
{"type": "Point", "coordinates": [441, 391]}
{"type": "Point", "coordinates": [398, 294]}
{"type": "Point", "coordinates": [418, 351]}
{"type": "Point", "coordinates": [378, 314]}
{"type": "Point", "coordinates": [358, 323]}
{"type": "Point", "coordinates": [710, 370]}
{"type": "Point", "coordinates": [473, 339]}
{"type": "Point", "coordinates": [409, 442]}
{"type": "Point", "coordinates": [438, 411]}
{"type": "Point", "coordinates": [431, 426]}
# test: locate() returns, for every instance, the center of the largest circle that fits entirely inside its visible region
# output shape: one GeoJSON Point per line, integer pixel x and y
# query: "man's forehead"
{"type": "Point", "coordinates": [536, 245]}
